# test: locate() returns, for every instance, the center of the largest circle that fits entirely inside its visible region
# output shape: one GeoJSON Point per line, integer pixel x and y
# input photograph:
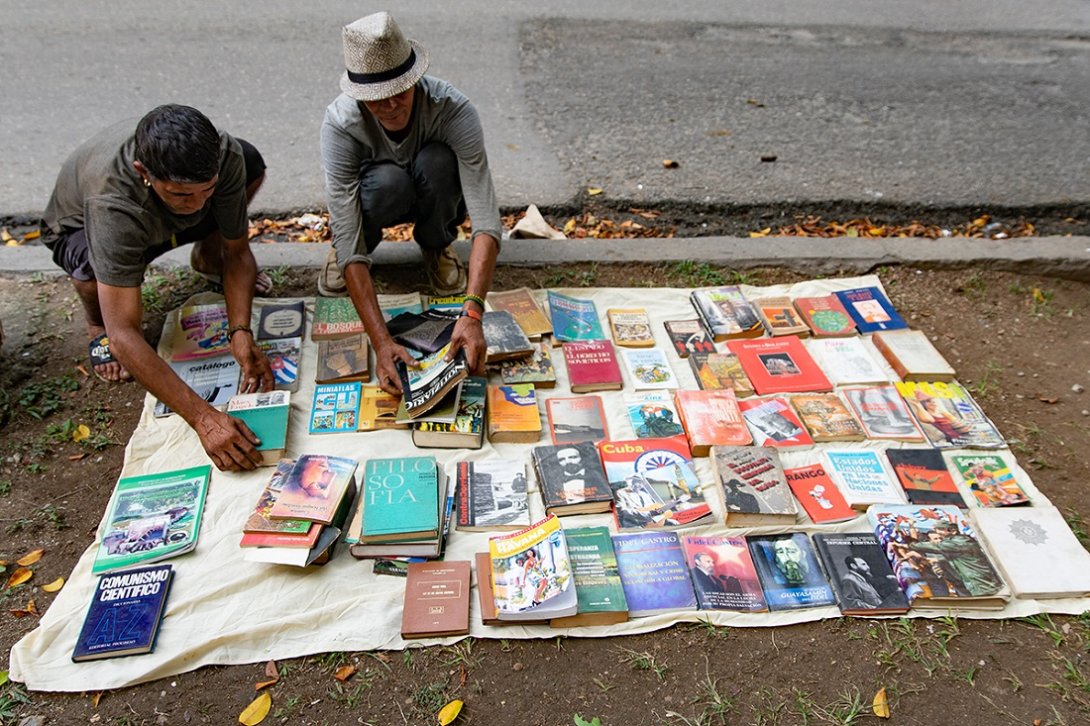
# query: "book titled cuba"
{"type": "Point", "coordinates": [124, 615]}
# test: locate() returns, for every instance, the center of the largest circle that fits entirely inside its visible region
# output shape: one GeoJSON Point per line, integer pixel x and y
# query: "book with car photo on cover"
{"type": "Point", "coordinates": [152, 517]}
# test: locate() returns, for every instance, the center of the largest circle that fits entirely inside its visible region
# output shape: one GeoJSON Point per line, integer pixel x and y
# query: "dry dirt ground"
{"type": "Point", "coordinates": [1021, 343]}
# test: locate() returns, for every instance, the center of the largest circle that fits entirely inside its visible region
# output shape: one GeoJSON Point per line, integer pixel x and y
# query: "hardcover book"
{"type": "Point", "coordinates": [789, 571]}
{"type": "Point", "coordinates": [861, 478]}
{"type": "Point", "coordinates": [592, 366]}
{"type": "Point", "coordinates": [521, 303]}
{"type": "Point", "coordinates": [648, 369]}
{"type": "Point", "coordinates": [336, 408]}
{"type": "Point", "coordinates": [304, 551]}
{"type": "Point", "coordinates": [314, 488]}
{"type": "Point", "coordinates": [922, 474]}
{"type": "Point", "coordinates": [846, 361]}
{"type": "Point", "coordinates": [467, 429]}
{"type": "Point", "coordinates": [400, 499]}
{"type": "Point", "coordinates": [335, 317]}
{"type": "Point", "coordinates": [436, 600]}
{"type": "Point", "coordinates": [572, 479]}
{"type": "Point", "coordinates": [827, 417]}
{"type": "Point", "coordinates": [755, 491]}
{"type": "Point", "coordinates": [936, 556]}
{"type": "Point", "coordinates": [989, 480]}
{"type": "Point", "coordinates": [773, 423]}
{"type": "Point", "coordinates": [779, 365]}
{"type": "Point", "coordinates": [259, 521]}
{"type": "Point", "coordinates": [913, 356]}
{"type": "Point", "coordinates": [513, 414]}
{"type": "Point", "coordinates": [630, 327]}
{"type": "Point", "coordinates": [492, 495]}
{"type": "Point", "coordinates": [267, 415]}
{"type": "Point", "coordinates": [720, 370]}
{"type": "Point", "coordinates": [378, 410]}
{"type": "Point", "coordinates": [825, 315]}
{"type": "Point", "coordinates": [780, 317]}
{"type": "Point", "coordinates": [723, 574]}
{"type": "Point", "coordinates": [303, 541]}
{"type": "Point", "coordinates": [1036, 551]}
{"type": "Point", "coordinates": [344, 360]}
{"type": "Point", "coordinates": [425, 331]}
{"type": "Point", "coordinates": [537, 368]}
{"type": "Point", "coordinates": [213, 379]}
{"type": "Point", "coordinates": [504, 337]}
{"type": "Point", "coordinates": [573, 319]}
{"type": "Point", "coordinates": [725, 313]}
{"type": "Point", "coordinates": [653, 414]}
{"type": "Point", "coordinates": [283, 356]}
{"type": "Point", "coordinates": [689, 336]}
{"type": "Point", "coordinates": [201, 332]}
{"type": "Point", "coordinates": [949, 416]}
{"type": "Point", "coordinates": [654, 573]}
{"type": "Point", "coordinates": [861, 577]}
{"type": "Point", "coordinates": [883, 413]}
{"type": "Point", "coordinates": [125, 614]}
{"type": "Point", "coordinates": [280, 320]}
{"type": "Point", "coordinates": [403, 546]}
{"type": "Point", "coordinates": [423, 388]}
{"type": "Point", "coordinates": [711, 418]}
{"type": "Point", "coordinates": [870, 309]}
{"type": "Point", "coordinates": [532, 573]}
{"type": "Point", "coordinates": [152, 517]}
{"type": "Point", "coordinates": [654, 484]}
{"type": "Point", "coordinates": [817, 493]}
{"type": "Point", "coordinates": [576, 418]}
{"type": "Point", "coordinates": [598, 585]}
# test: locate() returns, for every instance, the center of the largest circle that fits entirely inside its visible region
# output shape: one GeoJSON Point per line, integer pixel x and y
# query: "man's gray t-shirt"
{"type": "Point", "coordinates": [352, 137]}
{"type": "Point", "coordinates": [98, 190]}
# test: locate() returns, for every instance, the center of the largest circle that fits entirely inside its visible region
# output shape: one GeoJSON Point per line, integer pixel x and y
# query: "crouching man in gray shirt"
{"type": "Point", "coordinates": [399, 146]}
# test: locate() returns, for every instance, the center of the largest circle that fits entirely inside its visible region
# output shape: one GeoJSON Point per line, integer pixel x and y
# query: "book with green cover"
{"type": "Point", "coordinates": [597, 581]}
{"type": "Point", "coordinates": [152, 517]}
{"type": "Point", "coordinates": [400, 499]}
{"type": "Point", "coordinates": [335, 317]}
{"type": "Point", "coordinates": [267, 416]}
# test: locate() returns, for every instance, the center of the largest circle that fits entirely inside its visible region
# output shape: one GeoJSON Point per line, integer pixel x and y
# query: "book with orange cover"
{"type": "Point", "coordinates": [521, 304]}
{"type": "Point", "coordinates": [827, 417]}
{"type": "Point", "coordinates": [779, 316]}
{"type": "Point", "coordinates": [711, 418]}
{"type": "Point", "coordinates": [779, 365]}
{"type": "Point", "coordinates": [513, 415]}
{"type": "Point", "coordinates": [826, 316]}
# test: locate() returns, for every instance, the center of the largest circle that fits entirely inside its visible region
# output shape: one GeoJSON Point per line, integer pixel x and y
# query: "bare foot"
{"type": "Point", "coordinates": [112, 370]}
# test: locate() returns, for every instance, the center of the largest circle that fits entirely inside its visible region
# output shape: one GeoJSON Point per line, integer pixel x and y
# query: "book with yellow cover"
{"type": "Point", "coordinates": [513, 414]}
{"type": "Point", "coordinates": [630, 327]}
{"type": "Point", "coordinates": [532, 574]}
{"type": "Point", "coordinates": [521, 304]}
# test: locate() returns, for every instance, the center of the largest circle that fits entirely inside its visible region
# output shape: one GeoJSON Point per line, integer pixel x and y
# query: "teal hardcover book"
{"type": "Point", "coordinates": [400, 499]}
{"type": "Point", "coordinates": [267, 416]}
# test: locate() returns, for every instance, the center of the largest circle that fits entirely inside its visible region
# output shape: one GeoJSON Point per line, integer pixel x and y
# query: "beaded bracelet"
{"type": "Point", "coordinates": [477, 299]}
{"type": "Point", "coordinates": [236, 328]}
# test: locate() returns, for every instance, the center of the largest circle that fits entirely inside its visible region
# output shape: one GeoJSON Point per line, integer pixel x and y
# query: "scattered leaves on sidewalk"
{"type": "Point", "coordinates": [256, 712]}
{"type": "Point", "coordinates": [272, 676]}
{"type": "Point", "coordinates": [982, 227]}
{"type": "Point", "coordinates": [30, 558]}
{"type": "Point", "coordinates": [449, 712]}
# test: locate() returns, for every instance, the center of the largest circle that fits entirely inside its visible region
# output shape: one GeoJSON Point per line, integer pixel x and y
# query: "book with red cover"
{"type": "Point", "coordinates": [817, 493]}
{"type": "Point", "coordinates": [773, 422]}
{"type": "Point", "coordinates": [826, 316]}
{"type": "Point", "coordinates": [436, 599]}
{"type": "Point", "coordinates": [923, 475]}
{"type": "Point", "coordinates": [711, 418]}
{"type": "Point", "coordinates": [779, 365]}
{"type": "Point", "coordinates": [280, 539]}
{"type": "Point", "coordinates": [592, 366]}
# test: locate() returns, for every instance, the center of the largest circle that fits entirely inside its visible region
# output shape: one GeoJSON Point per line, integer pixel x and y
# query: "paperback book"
{"type": "Point", "coordinates": [689, 336]}
{"type": "Point", "coordinates": [513, 414]}
{"type": "Point", "coordinates": [492, 495]}
{"type": "Point", "coordinates": [259, 521]}
{"type": "Point", "coordinates": [653, 573]}
{"type": "Point", "coordinates": [572, 479]}
{"type": "Point", "coordinates": [424, 331]}
{"type": "Point", "coordinates": [504, 338]}
{"type": "Point", "coordinates": [466, 431]}
{"type": "Point", "coordinates": [336, 408]}
{"type": "Point", "coordinates": [913, 356]}
{"type": "Point", "coordinates": [654, 484]}
{"type": "Point", "coordinates": [860, 574]}
{"type": "Point", "coordinates": [344, 360]}
{"type": "Point", "coordinates": [720, 370]}
{"type": "Point", "coordinates": [401, 499]}
{"type": "Point", "coordinates": [281, 320]}
{"type": "Point", "coordinates": [723, 574]}
{"type": "Point", "coordinates": [378, 410]}
{"type": "Point", "coordinates": [315, 488]}
{"type": "Point", "coordinates": [861, 478]}
{"type": "Point", "coordinates": [522, 304]}
{"type": "Point", "coordinates": [780, 317]}
{"type": "Point", "coordinates": [1037, 553]}
{"type": "Point", "coordinates": [923, 475]}
{"type": "Point", "coordinates": [284, 356]}
{"type": "Point", "coordinates": [779, 365]}
{"type": "Point", "coordinates": [335, 317]}
{"type": "Point", "coordinates": [989, 480]}
{"type": "Point", "coordinates": [725, 313]}
{"type": "Point", "coordinates": [152, 517]}
{"type": "Point", "coordinates": [825, 315]}
{"type": "Point", "coordinates": [213, 379]}
{"type": "Point", "coordinates": [827, 417]}
{"type": "Point", "coordinates": [532, 573]}
{"type": "Point", "coordinates": [653, 414]}
{"type": "Point", "coordinates": [772, 422]}
{"type": "Point", "coordinates": [817, 493]}
{"type": "Point", "coordinates": [576, 418]}
{"type": "Point", "coordinates": [592, 366]}
{"type": "Point", "coordinates": [754, 488]}
{"type": "Point", "coordinates": [870, 310]}
{"type": "Point", "coordinates": [598, 587]}
{"type": "Point", "coordinates": [711, 418]}
{"type": "Point", "coordinates": [393, 304]}
{"type": "Point", "coordinates": [573, 319]}
{"type": "Point", "coordinates": [201, 332]}
{"type": "Point", "coordinates": [537, 368]}
{"type": "Point", "coordinates": [648, 369]}
{"type": "Point", "coordinates": [883, 414]}
{"type": "Point", "coordinates": [846, 361]}
{"type": "Point", "coordinates": [125, 614]}
{"type": "Point", "coordinates": [423, 388]}
{"type": "Point", "coordinates": [949, 416]}
{"type": "Point", "coordinates": [789, 571]}
{"type": "Point", "coordinates": [630, 327]}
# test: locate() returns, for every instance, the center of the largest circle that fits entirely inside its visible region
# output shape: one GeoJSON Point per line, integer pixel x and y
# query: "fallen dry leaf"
{"type": "Point", "coordinates": [30, 558]}
{"type": "Point", "coordinates": [54, 586]}
{"type": "Point", "coordinates": [256, 712]}
{"type": "Point", "coordinates": [266, 683]}
{"type": "Point", "coordinates": [449, 712]}
{"type": "Point", "coordinates": [345, 672]}
{"type": "Point", "coordinates": [763, 233]}
{"type": "Point", "coordinates": [95, 698]}
{"type": "Point", "coordinates": [81, 432]}
{"type": "Point", "coordinates": [77, 457]}
{"type": "Point", "coordinates": [19, 576]}
{"type": "Point", "coordinates": [32, 234]}
{"type": "Point", "coordinates": [881, 703]}
{"type": "Point", "coordinates": [594, 191]}
{"type": "Point", "coordinates": [1048, 399]}
{"type": "Point", "coordinates": [768, 157]}
{"type": "Point", "coordinates": [272, 676]}
{"type": "Point", "coordinates": [754, 102]}
{"type": "Point", "coordinates": [30, 609]}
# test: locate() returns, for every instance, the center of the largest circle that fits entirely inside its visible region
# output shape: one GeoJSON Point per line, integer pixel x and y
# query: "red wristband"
{"type": "Point", "coordinates": [470, 313]}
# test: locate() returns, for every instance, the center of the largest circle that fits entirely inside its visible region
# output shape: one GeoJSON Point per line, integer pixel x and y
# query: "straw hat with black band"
{"type": "Point", "coordinates": [379, 60]}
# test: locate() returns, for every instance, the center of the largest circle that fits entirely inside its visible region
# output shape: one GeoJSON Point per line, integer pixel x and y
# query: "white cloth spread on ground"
{"type": "Point", "coordinates": [224, 610]}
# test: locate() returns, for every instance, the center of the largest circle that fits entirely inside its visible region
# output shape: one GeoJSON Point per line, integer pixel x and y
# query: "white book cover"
{"type": "Point", "coordinates": [1036, 550]}
{"type": "Point", "coordinates": [916, 353]}
{"type": "Point", "coordinates": [648, 369]}
{"type": "Point", "coordinates": [862, 478]}
{"type": "Point", "coordinates": [846, 361]}
{"type": "Point", "coordinates": [213, 379]}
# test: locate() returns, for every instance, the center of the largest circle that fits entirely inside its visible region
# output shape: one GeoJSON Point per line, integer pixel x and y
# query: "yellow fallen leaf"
{"type": "Point", "coordinates": [95, 698]}
{"type": "Point", "coordinates": [569, 226]}
{"type": "Point", "coordinates": [32, 234]}
{"type": "Point", "coordinates": [763, 233]}
{"type": "Point", "coordinates": [30, 609]}
{"type": "Point", "coordinates": [21, 575]}
{"type": "Point", "coordinates": [449, 712]}
{"type": "Point", "coordinates": [3, 677]}
{"type": "Point", "coordinates": [5, 235]}
{"type": "Point", "coordinates": [593, 191]}
{"type": "Point", "coordinates": [30, 558]}
{"type": "Point", "coordinates": [265, 684]}
{"type": "Point", "coordinates": [881, 703]}
{"type": "Point", "coordinates": [81, 433]}
{"type": "Point", "coordinates": [54, 586]}
{"type": "Point", "coordinates": [1038, 297]}
{"type": "Point", "coordinates": [256, 712]}
{"type": "Point", "coordinates": [345, 672]}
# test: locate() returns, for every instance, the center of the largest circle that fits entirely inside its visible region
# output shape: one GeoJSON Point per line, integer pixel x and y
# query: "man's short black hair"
{"type": "Point", "coordinates": [179, 144]}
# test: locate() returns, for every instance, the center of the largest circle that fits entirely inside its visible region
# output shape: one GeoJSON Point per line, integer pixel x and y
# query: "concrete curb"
{"type": "Point", "coordinates": [1063, 257]}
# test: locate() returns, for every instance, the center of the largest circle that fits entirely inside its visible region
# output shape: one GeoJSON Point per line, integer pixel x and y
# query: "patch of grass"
{"type": "Point", "coordinates": [1043, 621]}
{"type": "Point", "coordinates": [278, 275]}
{"type": "Point", "coordinates": [769, 709]}
{"type": "Point", "coordinates": [53, 515]}
{"type": "Point", "coordinates": [603, 686]}
{"type": "Point", "coordinates": [578, 720]}
{"type": "Point", "coordinates": [349, 697]}
{"type": "Point", "coordinates": [644, 662]}
{"type": "Point", "coordinates": [285, 711]}
{"type": "Point", "coordinates": [558, 279]}
{"type": "Point", "coordinates": [987, 384]}
{"type": "Point", "coordinates": [1071, 516]}
{"type": "Point", "coordinates": [696, 274]}
{"type": "Point", "coordinates": [974, 286]}
{"type": "Point", "coordinates": [331, 661]}
{"type": "Point", "coordinates": [901, 639]}
{"type": "Point", "coordinates": [716, 706]}
{"type": "Point", "coordinates": [37, 400]}
{"type": "Point", "coordinates": [461, 654]}
{"type": "Point", "coordinates": [5, 487]}
{"type": "Point", "coordinates": [12, 697]}
{"type": "Point", "coordinates": [430, 698]}
{"type": "Point", "coordinates": [19, 525]}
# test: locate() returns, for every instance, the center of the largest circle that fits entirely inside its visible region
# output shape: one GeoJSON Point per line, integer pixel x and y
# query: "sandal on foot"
{"type": "Point", "coordinates": [98, 351]}
{"type": "Point", "coordinates": [263, 285]}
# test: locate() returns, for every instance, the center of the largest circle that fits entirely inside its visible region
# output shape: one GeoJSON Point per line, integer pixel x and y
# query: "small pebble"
{"type": "Point", "coordinates": [1021, 374]}
{"type": "Point", "coordinates": [1085, 412]}
{"type": "Point", "coordinates": [1077, 388]}
{"type": "Point", "coordinates": [517, 667]}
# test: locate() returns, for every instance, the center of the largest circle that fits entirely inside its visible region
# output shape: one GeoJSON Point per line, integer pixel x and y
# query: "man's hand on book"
{"type": "Point", "coordinates": [469, 336]}
{"type": "Point", "coordinates": [256, 373]}
{"type": "Point", "coordinates": [386, 359]}
{"type": "Point", "coordinates": [229, 442]}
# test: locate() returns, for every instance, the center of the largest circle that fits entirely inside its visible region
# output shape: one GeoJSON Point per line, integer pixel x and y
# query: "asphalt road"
{"type": "Point", "coordinates": [981, 102]}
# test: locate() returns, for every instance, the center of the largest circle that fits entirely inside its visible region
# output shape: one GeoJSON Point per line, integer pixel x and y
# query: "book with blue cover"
{"type": "Point", "coordinates": [870, 309]}
{"type": "Point", "coordinates": [125, 613]}
{"type": "Point", "coordinates": [790, 574]}
{"type": "Point", "coordinates": [336, 408]}
{"type": "Point", "coordinates": [573, 319]}
{"type": "Point", "coordinates": [653, 573]}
